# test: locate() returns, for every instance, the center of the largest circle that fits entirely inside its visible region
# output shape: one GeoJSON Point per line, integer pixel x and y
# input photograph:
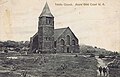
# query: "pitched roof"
{"type": "Point", "coordinates": [35, 35]}
{"type": "Point", "coordinates": [46, 11]}
{"type": "Point", "coordinates": [58, 32]}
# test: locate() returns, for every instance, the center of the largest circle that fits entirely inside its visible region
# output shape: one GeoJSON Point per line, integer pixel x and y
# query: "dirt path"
{"type": "Point", "coordinates": [100, 63]}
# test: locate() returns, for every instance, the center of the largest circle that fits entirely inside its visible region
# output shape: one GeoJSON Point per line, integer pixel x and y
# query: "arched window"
{"type": "Point", "coordinates": [62, 42]}
{"type": "Point", "coordinates": [55, 44]}
{"type": "Point", "coordinates": [73, 42]}
{"type": "Point", "coordinates": [48, 20]}
{"type": "Point", "coordinates": [68, 40]}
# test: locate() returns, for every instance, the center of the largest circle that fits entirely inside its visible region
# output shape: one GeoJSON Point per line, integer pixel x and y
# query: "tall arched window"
{"type": "Point", "coordinates": [62, 42]}
{"type": "Point", "coordinates": [73, 42]}
{"type": "Point", "coordinates": [48, 20]}
{"type": "Point", "coordinates": [68, 40]}
{"type": "Point", "coordinates": [55, 44]}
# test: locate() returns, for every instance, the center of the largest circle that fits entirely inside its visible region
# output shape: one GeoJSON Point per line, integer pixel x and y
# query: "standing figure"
{"type": "Point", "coordinates": [104, 71]}
{"type": "Point", "coordinates": [107, 71]}
{"type": "Point", "coordinates": [100, 70]}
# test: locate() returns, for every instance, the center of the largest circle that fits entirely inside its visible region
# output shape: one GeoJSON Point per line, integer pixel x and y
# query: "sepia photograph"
{"type": "Point", "coordinates": [59, 38]}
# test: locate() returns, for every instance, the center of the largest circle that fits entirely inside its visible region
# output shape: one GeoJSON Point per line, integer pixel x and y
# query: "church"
{"type": "Point", "coordinates": [50, 40]}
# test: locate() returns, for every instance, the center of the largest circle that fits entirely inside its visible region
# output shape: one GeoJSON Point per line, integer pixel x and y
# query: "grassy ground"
{"type": "Point", "coordinates": [49, 65]}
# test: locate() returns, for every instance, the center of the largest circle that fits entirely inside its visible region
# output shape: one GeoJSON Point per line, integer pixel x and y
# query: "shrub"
{"type": "Point", "coordinates": [101, 56]}
{"type": "Point", "coordinates": [5, 51]}
{"type": "Point", "coordinates": [17, 49]}
{"type": "Point", "coordinates": [92, 55]}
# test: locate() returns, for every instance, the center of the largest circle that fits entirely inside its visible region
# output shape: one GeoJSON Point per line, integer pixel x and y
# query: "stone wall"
{"type": "Point", "coordinates": [68, 45]}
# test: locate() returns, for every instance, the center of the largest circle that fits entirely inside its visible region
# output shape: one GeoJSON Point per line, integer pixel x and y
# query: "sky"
{"type": "Point", "coordinates": [93, 25]}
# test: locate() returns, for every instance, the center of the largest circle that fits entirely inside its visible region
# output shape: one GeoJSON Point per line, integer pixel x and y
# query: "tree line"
{"type": "Point", "coordinates": [14, 45]}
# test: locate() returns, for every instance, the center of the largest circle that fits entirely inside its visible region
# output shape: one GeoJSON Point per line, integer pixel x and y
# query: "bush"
{"type": "Point", "coordinates": [17, 49]}
{"type": "Point", "coordinates": [101, 56]}
{"type": "Point", "coordinates": [92, 55]}
{"type": "Point", "coordinates": [113, 57]}
{"type": "Point", "coordinates": [5, 51]}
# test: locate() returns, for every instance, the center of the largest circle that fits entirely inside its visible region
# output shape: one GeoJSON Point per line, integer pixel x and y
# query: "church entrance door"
{"type": "Point", "coordinates": [68, 50]}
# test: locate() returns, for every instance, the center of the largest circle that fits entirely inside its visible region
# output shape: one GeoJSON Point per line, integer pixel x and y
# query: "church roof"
{"type": "Point", "coordinates": [46, 11]}
{"type": "Point", "coordinates": [58, 32]}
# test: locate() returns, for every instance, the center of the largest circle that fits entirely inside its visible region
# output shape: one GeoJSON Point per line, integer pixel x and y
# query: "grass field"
{"type": "Point", "coordinates": [48, 65]}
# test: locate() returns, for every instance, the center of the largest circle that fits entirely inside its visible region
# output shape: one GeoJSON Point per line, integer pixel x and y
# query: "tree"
{"type": "Point", "coordinates": [5, 51]}
{"type": "Point", "coordinates": [1, 45]}
{"type": "Point", "coordinates": [27, 43]}
{"type": "Point", "coordinates": [17, 49]}
{"type": "Point", "coordinates": [101, 56]}
{"type": "Point", "coordinates": [95, 47]}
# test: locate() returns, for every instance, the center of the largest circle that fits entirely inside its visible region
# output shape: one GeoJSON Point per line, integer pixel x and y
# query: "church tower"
{"type": "Point", "coordinates": [46, 31]}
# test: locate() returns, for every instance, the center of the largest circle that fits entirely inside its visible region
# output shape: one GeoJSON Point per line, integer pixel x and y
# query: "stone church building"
{"type": "Point", "coordinates": [48, 39]}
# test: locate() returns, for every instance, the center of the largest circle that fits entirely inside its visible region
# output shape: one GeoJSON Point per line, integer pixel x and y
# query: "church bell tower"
{"type": "Point", "coordinates": [46, 31]}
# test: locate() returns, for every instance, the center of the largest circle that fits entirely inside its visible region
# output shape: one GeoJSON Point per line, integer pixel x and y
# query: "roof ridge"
{"type": "Point", "coordinates": [61, 28]}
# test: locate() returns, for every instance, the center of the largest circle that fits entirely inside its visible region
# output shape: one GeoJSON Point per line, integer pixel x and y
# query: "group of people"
{"type": "Point", "coordinates": [104, 70]}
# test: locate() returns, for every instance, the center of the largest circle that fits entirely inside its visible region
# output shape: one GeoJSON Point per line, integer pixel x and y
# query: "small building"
{"type": "Point", "coordinates": [48, 40]}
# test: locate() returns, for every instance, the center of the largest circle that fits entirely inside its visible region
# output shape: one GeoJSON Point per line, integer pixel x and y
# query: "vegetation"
{"type": "Point", "coordinates": [46, 65]}
{"type": "Point", "coordinates": [6, 51]}
{"type": "Point", "coordinates": [101, 56]}
{"type": "Point", "coordinates": [14, 46]}
{"type": "Point", "coordinates": [51, 65]}
{"type": "Point", "coordinates": [88, 50]}
{"type": "Point", "coordinates": [92, 55]}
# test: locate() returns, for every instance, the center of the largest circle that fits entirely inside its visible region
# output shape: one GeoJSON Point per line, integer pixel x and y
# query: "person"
{"type": "Point", "coordinates": [100, 70]}
{"type": "Point", "coordinates": [104, 71]}
{"type": "Point", "coordinates": [107, 71]}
